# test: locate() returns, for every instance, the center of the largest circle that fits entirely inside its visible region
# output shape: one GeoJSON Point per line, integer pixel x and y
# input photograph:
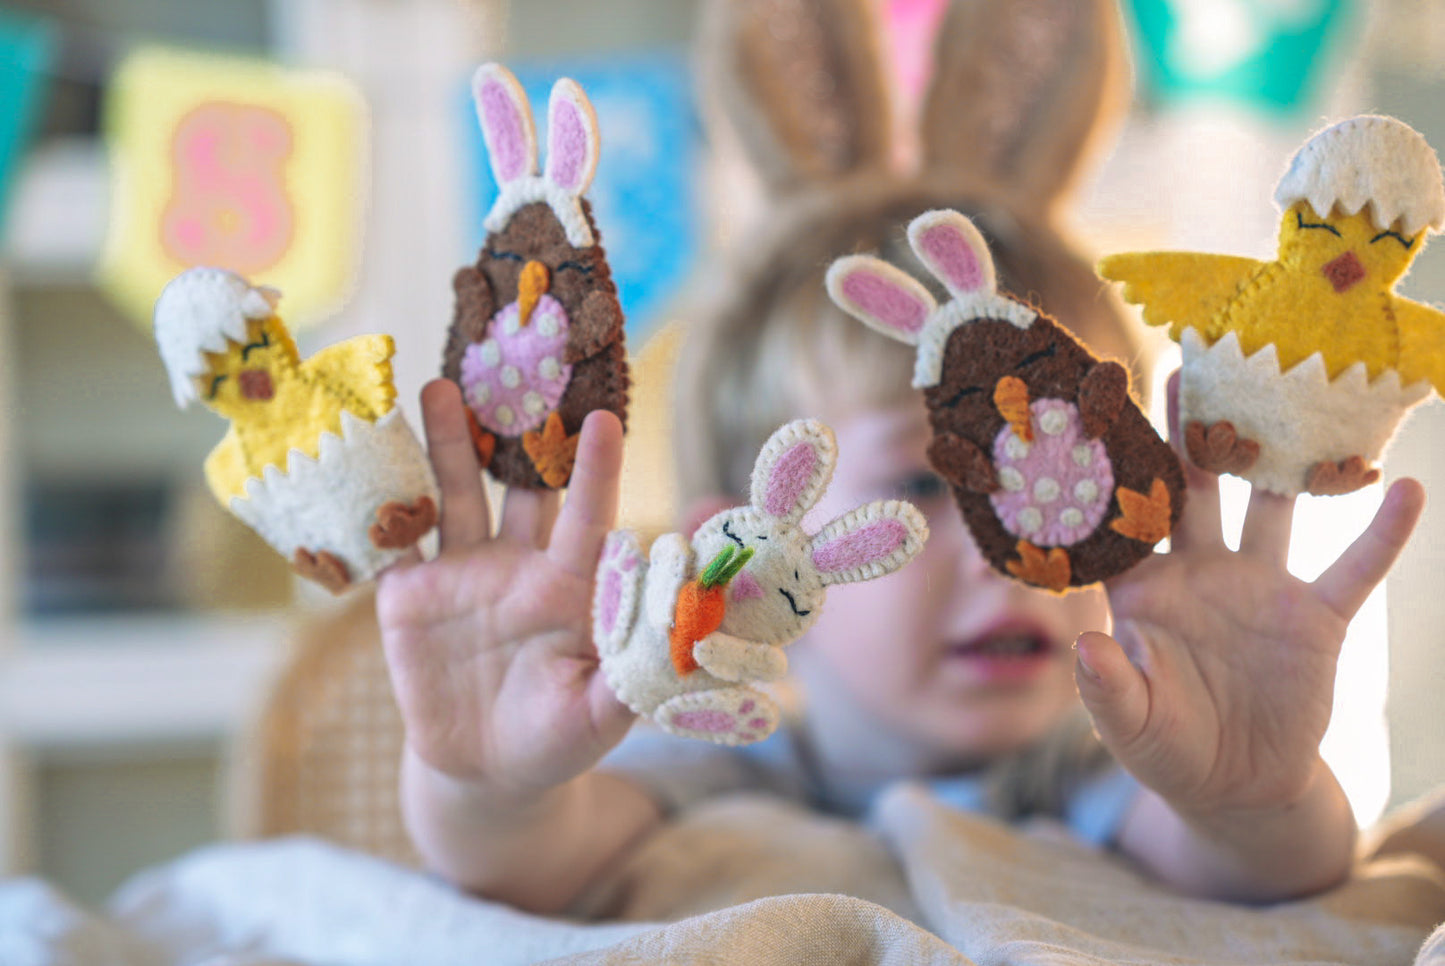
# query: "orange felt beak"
{"type": "Point", "coordinates": [1011, 398]}
{"type": "Point", "coordinates": [531, 286]}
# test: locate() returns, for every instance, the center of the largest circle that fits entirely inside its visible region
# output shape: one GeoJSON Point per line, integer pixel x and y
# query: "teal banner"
{"type": "Point", "coordinates": [26, 48]}
{"type": "Point", "coordinates": [1271, 55]}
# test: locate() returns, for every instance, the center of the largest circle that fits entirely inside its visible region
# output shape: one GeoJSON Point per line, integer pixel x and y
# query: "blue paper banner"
{"type": "Point", "coordinates": [643, 194]}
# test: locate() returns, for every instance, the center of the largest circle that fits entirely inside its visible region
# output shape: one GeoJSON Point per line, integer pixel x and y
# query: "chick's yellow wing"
{"type": "Point", "coordinates": [1422, 342]}
{"type": "Point", "coordinates": [1179, 289]}
{"type": "Point", "coordinates": [359, 372]}
{"type": "Point", "coordinates": [226, 470]}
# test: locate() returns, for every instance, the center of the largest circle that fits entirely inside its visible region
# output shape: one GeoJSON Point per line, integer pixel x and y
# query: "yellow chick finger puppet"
{"type": "Point", "coordinates": [318, 459]}
{"type": "Point", "coordinates": [1296, 372]}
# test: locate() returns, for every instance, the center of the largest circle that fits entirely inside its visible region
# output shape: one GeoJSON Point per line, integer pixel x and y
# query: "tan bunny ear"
{"type": "Point", "coordinates": [1020, 90]}
{"type": "Point", "coordinates": [800, 82]}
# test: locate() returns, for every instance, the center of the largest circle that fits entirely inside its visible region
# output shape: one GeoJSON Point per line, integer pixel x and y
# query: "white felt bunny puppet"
{"type": "Point", "coordinates": [701, 688]}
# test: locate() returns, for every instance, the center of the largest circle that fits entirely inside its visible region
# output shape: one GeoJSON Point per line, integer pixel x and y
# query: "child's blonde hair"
{"type": "Point", "coordinates": [772, 346]}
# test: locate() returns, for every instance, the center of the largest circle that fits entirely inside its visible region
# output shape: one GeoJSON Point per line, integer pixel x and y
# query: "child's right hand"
{"type": "Point", "coordinates": [490, 644]}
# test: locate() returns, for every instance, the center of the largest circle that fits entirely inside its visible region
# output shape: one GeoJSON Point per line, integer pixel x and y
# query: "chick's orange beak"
{"type": "Point", "coordinates": [531, 286]}
{"type": "Point", "coordinates": [1011, 398]}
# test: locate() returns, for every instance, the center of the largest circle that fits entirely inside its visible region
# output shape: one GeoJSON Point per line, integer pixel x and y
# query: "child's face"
{"type": "Point", "coordinates": [945, 654]}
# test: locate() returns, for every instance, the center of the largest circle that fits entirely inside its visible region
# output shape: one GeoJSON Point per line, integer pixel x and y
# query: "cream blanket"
{"type": "Point", "coordinates": [743, 880]}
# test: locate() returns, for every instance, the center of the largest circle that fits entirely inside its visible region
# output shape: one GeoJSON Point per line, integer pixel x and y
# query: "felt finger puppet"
{"type": "Point", "coordinates": [536, 340]}
{"type": "Point", "coordinates": [684, 631]}
{"type": "Point", "coordinates": [318, 460]}
{"type": "Point", "coordinates": [1058, 474]}
{"type": "Point", "coordinates": [1296, 372]}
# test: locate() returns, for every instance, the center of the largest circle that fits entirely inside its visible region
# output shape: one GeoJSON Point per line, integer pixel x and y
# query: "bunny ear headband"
{"type": "Point", "coordinates": [685, 632]}
{"type": "Point", "coordinates": [1059, 476]}
{"type": "Point", "coordinates": [511, 136]}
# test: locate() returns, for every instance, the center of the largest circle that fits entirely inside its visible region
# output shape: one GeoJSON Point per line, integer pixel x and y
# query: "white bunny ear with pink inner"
{"type": "Point", "coordinates": [953, 250]}
{"type": "Point", "coordinates": [869, 541]}
{"type": "Point", "coordinates": [793, 470]}
{"type": "Point", "coordinates": [572, 140]}
{"type": "Point", "coordinates": [506, 122]}
{"type": "Point", "coordinates": [881, 296]}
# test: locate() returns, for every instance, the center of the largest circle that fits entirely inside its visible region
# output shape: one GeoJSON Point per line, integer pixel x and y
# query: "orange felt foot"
{"type": "Point", "coordinates": [482, 441]}
{"type": "Point", "coordinates": [401, 524]}
{"type": "Point", "coordinates": [1051, 570]}
{"type": "Point", "coordinates": [552, 451]}
{"type": "Point", "coordinates": [325, 568]}
{"type": "Point", "coordinates": [1328, 478]}
{"type": "Point", "coordinates": [1143, 518]}
{"type": "Point", "coordinates": [1218, 448]}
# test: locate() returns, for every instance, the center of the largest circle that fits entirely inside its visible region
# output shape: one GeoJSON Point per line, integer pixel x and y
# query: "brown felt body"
{"type": "Point", "coordinates": [981, 352]}
{"type": "Point", "coordinates": [581, 280]}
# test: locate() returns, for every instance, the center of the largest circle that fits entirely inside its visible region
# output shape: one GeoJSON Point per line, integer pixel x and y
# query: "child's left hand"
{"type": "Point", "coordinates": [1218, 684]}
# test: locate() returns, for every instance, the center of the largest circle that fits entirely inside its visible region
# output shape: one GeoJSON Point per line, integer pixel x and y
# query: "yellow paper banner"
{"type": "Point", "coordinates": [233, 163]}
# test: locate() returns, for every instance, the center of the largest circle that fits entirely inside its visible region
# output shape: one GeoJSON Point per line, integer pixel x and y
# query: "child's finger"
{"type": "Point", "coordinates": [1351, 578]}
{"type": "Point", "coordinates": [590, 509]}
{"type": "Point", "coordinates": [1200, 526]}
{"type": "Point", "coordinates": [1113, 689]}
{"type": "Point", "coordinates": [527, 515]}
{"type": "Point", "coordinates": [465, 517]}
{"type": "Point", "coordinates": [1267, 525]}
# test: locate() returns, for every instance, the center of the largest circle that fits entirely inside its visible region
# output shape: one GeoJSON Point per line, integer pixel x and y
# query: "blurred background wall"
{"type": "Point", "coordinates": [138, 623]}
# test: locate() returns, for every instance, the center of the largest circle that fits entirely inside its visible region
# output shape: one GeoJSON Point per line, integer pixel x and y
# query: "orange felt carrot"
{"type": "Point", "coordinates": [701, 604]}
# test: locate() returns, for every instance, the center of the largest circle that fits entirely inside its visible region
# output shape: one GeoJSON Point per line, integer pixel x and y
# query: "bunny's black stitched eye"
{"type": "Point", "coordinates": [958, 396]}
{"type": "Point", "coordinates": [1407, 242]}
{"type": "Point", "coordinates": [727, 532]}
{"type": "Point", "coordinates": [1033, 357]}
{"type": "Point", "coordinates": [1299, 219]}
{"type": "Point", "coordinates": [509, 256]}
{"type": "Point", "coordinates": [793, 602]}
{"type": "Point", "coordinates": [576, 266]}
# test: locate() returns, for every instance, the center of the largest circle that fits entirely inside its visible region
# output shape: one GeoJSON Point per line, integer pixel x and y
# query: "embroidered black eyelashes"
{"type": "Point", "coordinates": [793, 603]}
{"type": "Point", "coordinates": [727, 532]}
{"type": "Point", "coordinates": [1299, 219]}
{"type": "Point", "coordinates": [1407, 242]}
{"type": "Point", "coordinates": [263, 344]}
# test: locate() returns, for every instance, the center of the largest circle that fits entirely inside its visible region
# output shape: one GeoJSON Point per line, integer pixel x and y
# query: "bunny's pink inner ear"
{"type": "Point", "coordinates": [885, 302]}
{"type": "Point", "coordinates": [869, 543]}
{"type": "Point", "coordinates": [571, 138]}
{"type": "Point", "coordinates": [953, 250]}
{"type": "Point", "coordinates": [789, 479]}
{"type": "Point", "coordinates": [882, 296]}
{"type": "Point", "coordinates": [506, 124]}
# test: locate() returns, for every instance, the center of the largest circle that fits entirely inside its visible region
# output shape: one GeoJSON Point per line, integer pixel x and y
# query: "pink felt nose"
{"type": "Point", "coordinates": [746, 587]}
{"type": "Point", "coordinates": [1344, 272]}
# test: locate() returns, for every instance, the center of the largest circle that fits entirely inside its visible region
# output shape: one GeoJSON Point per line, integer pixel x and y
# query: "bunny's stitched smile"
{"type": "Point", "coordinates": [793, 603]}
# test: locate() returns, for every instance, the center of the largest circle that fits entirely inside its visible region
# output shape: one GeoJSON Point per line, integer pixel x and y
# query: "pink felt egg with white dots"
{"type": "Point", "coordinates": [515, 377]}
{"type": "Point", "coordinates": [1054, 489]}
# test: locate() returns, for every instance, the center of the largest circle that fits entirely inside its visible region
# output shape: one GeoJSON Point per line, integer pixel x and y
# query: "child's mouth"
{"type": "Point", "coordinates": [1006, 656]}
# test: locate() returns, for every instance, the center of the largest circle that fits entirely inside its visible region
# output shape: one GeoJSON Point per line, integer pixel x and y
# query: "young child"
{"type": "Point", "coordinates": [1207, 673]}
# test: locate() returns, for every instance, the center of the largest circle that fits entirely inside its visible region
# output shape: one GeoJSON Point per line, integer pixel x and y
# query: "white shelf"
{"type": "Point", "coordinates": [113, 681]}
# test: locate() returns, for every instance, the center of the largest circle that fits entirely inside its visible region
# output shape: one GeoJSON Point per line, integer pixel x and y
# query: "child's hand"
{"type": "Point", "coordinates": [1233, 659]}
{"type": "Point", "coordinates": [490, 644]}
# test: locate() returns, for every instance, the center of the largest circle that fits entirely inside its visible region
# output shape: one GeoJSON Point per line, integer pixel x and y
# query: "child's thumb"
{"type": "Point", "coordinates": [1113, 689]}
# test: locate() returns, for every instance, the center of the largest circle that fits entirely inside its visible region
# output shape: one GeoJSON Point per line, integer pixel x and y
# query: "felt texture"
{"type": "Point", "coordinates": [777, 595]}
{"type": "Point", "coordinates": [511, 137]}
{"type": "Point", "coordinates": [569, 359]}
{"type": "Point", "coordinates": [330, 503]}
{"type": "Point", "coordinates": [1299, 418]}
{"type": "Point", "coordinates": [1370, 162]}
{"type": "Point", "coordinates": [1044, 448]}
{"type": "Point", "coordinates": [317, 458]}
{"type": "Point", "coordinates": [1357, 198]}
